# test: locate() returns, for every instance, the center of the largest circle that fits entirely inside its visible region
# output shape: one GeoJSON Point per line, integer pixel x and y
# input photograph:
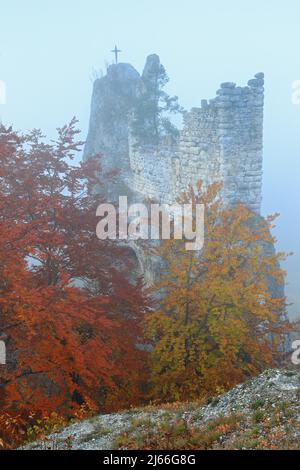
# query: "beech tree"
{"type": "Point", "coordinates": [70, 316]}
{"type": "Point", "coordinates": [218, 322]}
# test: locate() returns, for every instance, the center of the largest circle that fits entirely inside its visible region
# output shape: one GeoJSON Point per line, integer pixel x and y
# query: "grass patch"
{"type": "Point", "coordinates": [179, 435]}
{"type": "Point", "coordinates": [256, 405]}
{"type": "Point", "coordinates": [258, 416]}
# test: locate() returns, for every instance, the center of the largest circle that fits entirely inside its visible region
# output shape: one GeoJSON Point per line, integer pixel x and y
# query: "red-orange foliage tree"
{"type": "Point", "coordinates": [71, 319]}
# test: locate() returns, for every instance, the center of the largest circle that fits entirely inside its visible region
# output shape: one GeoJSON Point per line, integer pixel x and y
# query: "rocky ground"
{"type": "Point", "coordinates": [263, 413]}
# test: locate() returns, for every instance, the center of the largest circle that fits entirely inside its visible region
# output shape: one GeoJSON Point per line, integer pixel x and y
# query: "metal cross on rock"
{"type": "Point", "coordinates": [116, 52]}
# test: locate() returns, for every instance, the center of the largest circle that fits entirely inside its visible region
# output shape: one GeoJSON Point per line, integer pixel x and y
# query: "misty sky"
{"type": "Point", "coordinates": [49, 49]}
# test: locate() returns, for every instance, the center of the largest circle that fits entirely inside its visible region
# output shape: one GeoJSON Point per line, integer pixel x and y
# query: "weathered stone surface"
{"type": "Point", "coordinates": [228, 85]}
{"type": "Point", "coordinates": [152, 64]}
{"type": "Point", "coordinates": [111, 104]}
{"type": "Point", "coordinates": [260, 75]}
{"type": "Point", "coordinates": [230, 128]}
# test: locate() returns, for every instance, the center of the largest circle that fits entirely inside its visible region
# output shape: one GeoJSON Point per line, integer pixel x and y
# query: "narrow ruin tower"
{"type": "Point", "coordinates": [112, 100]}
{"type": "Point", "coordinates": [240, 129]}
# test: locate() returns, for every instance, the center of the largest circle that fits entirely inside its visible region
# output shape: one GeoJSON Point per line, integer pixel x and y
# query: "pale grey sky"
{"type": "Point", "coordinates": [48, 50]}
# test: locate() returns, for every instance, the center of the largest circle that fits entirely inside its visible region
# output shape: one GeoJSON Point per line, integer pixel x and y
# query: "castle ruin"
{"type": "Point", "coordinates": [220, 141]}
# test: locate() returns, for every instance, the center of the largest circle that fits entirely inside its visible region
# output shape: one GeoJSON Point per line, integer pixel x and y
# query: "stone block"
{"type": "Point", "coordinates": [228, 85]}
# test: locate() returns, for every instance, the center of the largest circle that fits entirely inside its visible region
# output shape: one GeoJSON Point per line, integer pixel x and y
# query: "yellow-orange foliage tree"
{"type": "Point", "coordinates": [218, 322]}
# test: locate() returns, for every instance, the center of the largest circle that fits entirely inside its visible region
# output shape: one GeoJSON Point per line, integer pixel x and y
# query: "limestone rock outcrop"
{"type": "Point", "coordinates": [108, 134]}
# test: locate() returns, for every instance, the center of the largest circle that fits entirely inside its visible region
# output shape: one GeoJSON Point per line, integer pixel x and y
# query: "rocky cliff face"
{"type": "Point", "coordinates": [108, 134]}
{"type": "Point", "coordinates": [112, 103]}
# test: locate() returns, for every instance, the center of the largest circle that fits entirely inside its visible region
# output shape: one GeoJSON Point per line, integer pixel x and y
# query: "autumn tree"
{"type": "Point", "coordinates": [153, 106]}
{"type": "Point", "coordinates": [70, 316]}
{"type": "Point", "coordinates": [218, 321]}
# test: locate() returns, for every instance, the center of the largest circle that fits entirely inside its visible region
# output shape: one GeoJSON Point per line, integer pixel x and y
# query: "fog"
{"type": "Point", "coordinates": [49, 51]}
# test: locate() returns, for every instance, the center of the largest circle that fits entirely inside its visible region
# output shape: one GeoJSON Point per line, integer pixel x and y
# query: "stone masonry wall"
{"type": "Point", "coordinates": [221, 141]}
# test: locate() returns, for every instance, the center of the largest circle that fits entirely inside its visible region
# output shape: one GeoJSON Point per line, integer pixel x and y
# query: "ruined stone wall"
{"type": "Point", "coordinates": [221, 141]}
